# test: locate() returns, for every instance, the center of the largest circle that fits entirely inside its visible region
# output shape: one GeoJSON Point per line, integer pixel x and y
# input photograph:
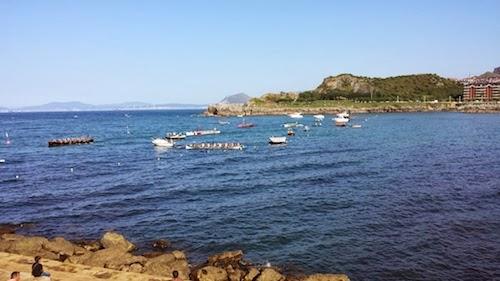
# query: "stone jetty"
{"type": "Point", "coordinates": [69, 141]}
{"type": "Point", "coordinates": [112, 258]}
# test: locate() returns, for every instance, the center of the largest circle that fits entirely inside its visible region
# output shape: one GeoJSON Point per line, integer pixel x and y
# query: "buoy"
{"type": "Point", "coordinates": [119, 163]}
{"type": "Point", "coordinates": [158, 158]}
{"type": "Point", "coordinates": [71, 170]}
{"type": "Point", "coordinates": [17, 177]}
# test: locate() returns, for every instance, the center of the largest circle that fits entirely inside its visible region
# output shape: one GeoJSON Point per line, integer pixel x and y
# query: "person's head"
{"type": "Point", "coordinates": [175, 273]}
{"type": "Point", "coordinates": [38, 258]}
{"type": "Point", "coordinates": [15, 275]}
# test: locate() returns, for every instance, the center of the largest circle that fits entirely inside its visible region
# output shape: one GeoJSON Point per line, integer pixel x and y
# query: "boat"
{"type": "Point", "coordinates": [293, 125]}
{"type": "Point", "coordinates": [344, 114]}
{"type": "Point", "coordinates": [240, 115]}
{"type": "Point", "coordinates": [290, 132]}
{"type": "Point", "coordinates": [2, 160]}
{"type": "Point", "coordinates": [296, 115]}
{"type": "Point", "coordinates": [245, 124]}
{"type": "Point", "coordinates": [341, 121]}
{"type": "Point", "coordinates": [202, 132]}
{"type": "Point", "coordinates": [224, 122]}
{"type": "Point", "coordinates": [7, 139]}
{"type": "Point", "coordinates": [356, 126]}
{"type": "Point", "coordinates": [215, 146]}
{"type": "Point", "coordinates": [162, 142]}
{"type": "Point", "coordinates": [277, 140]}
{"type": "Point", "coordinates": [306, 129]}
{"type": "Point", "coordinates": [319, 117]}
{"type": "Point", "coordinates": [69, 141]}
{"type": "Point", "coordinates": [175, 136]}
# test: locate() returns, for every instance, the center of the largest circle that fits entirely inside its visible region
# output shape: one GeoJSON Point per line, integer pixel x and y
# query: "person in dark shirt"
{"type": "Point", "coordinates": [37, 268]}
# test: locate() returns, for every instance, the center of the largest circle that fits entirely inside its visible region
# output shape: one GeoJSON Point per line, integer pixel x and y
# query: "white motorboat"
{"type": "Point", "coordinates": [162, 142]}
{"type": "Point", "coordinates": [224, 122]}
{"type": "Point", "coordinates": [215, 146]}
{"type": "Point", "coordinates": [344, 114]}
{"type": "Point", "coordinates": [2, 160]}
{"type": "Point", "coordinates": [296, 115]}
{"type": "Point", "coordinates": [202, 132]}
{"type": "Point", "coordinates": [341, 121]}
{"type": "Point", "coordinates": [277, 140]}
{"type": "Point", "coordinates": [319, 117]}
{"type": "Point", "coordinates": [356, 126]}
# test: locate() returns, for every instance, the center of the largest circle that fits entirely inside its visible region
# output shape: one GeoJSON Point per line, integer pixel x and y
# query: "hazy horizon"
{"type": "Point", "coordinates": [198, 52]}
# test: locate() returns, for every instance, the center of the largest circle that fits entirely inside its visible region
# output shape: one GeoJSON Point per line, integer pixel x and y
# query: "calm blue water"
{"type": "Point", "coordinates": [406, 197]}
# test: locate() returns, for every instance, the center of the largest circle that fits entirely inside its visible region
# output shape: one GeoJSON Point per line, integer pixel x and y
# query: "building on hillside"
{"type": "Point", "coordinates": [482, 88]}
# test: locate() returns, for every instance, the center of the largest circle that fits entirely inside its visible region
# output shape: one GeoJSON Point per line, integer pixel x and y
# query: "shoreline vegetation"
{"type": "Point", "coordinates": [409, 93]}
{"type": "Point", "coordinates": [113, 258]}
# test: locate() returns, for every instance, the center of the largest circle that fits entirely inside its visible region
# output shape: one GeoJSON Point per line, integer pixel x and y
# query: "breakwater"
{"type": "Point", "coordinates": [277, 109]}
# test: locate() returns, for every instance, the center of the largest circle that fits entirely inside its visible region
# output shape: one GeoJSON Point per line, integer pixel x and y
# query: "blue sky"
{"type": "Point", "coordinates": [199, 51]}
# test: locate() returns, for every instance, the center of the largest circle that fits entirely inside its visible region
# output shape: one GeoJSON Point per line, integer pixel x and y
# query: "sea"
{"type": "Point", "coordinates": [408, 196]}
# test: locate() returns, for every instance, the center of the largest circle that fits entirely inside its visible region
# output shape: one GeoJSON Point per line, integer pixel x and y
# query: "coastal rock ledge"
{"type": "Point", "coordinates": [113, 254]}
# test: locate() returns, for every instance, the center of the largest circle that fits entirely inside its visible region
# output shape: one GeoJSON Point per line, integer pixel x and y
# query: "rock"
{"type": "Point", "coordinates": [270, 274]}
{"type": "Point", "coordinates": [327, 277]}
{"type": "Point", "coordinates": [225, 258]}
{"type": "Point", "coordinates": [89, 245]}
{"type": "Point", "coordinates": [161, 244]}
{"type": "Point", "coordinates": [136, 267]}
{"type": "Point", "coordinates": [252, 273]}
{"type": "Point", "coordinates": [5, 245]}
{"type": "Point", "coordinates": [179, 255]}
{"type": "Point", "coordinates": [60, 245]}
{"type": "Point", "coordinates": [234, 274]}
{"type": "Point", "coordinates": [165, 264]}
{"type": "Point", "coordinates": [7, 228]}
{"type": "Point", "coordinates": [113, 258]}
{"type": "Point", "coordinates": [11, 237]}
{"type": "Point", "coordinates": [117, 241]}
{"type": "Point", "coordinates": [211, 273]}
{"type": "Point", "coordinates": [29, 246]}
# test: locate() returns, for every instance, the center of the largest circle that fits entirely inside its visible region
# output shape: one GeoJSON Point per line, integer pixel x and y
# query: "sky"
{"type": "Point", "coordinates": [102, 52]}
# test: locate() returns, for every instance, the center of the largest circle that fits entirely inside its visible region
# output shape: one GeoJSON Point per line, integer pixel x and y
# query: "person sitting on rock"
{"type": "Point", "coordinates": [15, 276]}
{"type": "Point", "coordinates": [37, 268]}
{"type": "Point", "coordinates": [175, 274]}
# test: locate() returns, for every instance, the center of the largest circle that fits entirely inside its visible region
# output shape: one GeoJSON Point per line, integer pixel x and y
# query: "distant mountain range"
{"type": "Point", "coordinates": [79, 106]}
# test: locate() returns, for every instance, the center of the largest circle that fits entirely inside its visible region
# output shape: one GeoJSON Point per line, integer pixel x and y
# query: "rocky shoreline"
{"type": "Point", "coordinates": [250, 109]}
{"type": "Point", "coordinates": [113, 251]}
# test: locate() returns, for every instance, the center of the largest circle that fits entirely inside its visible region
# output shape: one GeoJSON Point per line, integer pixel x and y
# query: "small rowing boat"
{"type": "Point", "coordinates": [203, 132]}
{"type": "Point", "coordinates": [175, 136]}
{"type": "Point", "coordinates": [69, 141]}
{"type": "Point", "coordinates": [215, 146]}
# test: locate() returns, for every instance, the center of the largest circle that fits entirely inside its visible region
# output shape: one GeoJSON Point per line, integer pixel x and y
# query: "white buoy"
{"type": "Point", "coordinates": [158, 158]}
{"type": "Point", "coordinates": [268, 264]}
{"type": "Point", "coordinates": [17, 177]}
{"type": "Point", "coordinates": [118, 163]}
{"type": "Point", "coordinates": [71, 170]}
